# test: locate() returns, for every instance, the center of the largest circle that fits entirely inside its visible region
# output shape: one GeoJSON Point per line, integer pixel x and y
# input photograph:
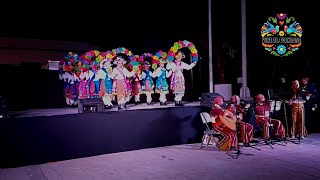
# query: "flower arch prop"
{"type": "Point", "coordinates": [183, 44]}
{"type": "Point", "coordinates": [156, 57]}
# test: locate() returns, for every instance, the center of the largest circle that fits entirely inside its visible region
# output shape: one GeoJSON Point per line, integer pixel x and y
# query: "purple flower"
{"type": "Point", "coordinates": [281, 16]}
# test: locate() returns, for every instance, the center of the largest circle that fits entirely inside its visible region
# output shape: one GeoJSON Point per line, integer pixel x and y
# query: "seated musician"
{"type": "Point", "coordinates": [246, 129]}
{"type": "Point", "coordinates": [262, 110]}
{"type": "Point", "coordinates": [228, 136]}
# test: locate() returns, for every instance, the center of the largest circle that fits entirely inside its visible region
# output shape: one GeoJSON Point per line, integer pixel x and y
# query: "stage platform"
{"type": "Point", "coordinates": [74, 110]}
{"type": "Point", "coordinates": [184, 162]}
{"type": "Point", "coordinates": [41, 136]}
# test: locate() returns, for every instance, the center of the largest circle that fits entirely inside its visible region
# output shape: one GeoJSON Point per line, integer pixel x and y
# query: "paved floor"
{"type": "Point", "coordinates": [184, 162]}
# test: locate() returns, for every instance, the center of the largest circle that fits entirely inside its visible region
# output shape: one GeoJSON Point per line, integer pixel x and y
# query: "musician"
{"type": "Point", "coordinates": [229, 137]}
{"type": "Point", "coordinates": [246, 129]}
{"type": "Point", "coordinates": [262, 111]}
{"type": "Point", "coordinates": [309, 94]}
{"type": "Point", "coordinates": [298, 119]}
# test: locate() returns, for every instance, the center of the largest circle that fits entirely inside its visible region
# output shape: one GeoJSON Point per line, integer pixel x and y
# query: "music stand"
{"type": "Point", "coordinates": [238, 152]}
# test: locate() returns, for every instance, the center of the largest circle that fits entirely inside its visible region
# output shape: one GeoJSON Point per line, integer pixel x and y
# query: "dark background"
{"type": "Point", "coordinates": [149, 27]}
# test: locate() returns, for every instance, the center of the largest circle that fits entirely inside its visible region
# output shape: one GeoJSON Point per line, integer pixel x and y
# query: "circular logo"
{"type": "Point", "coordinates": [281, 35]}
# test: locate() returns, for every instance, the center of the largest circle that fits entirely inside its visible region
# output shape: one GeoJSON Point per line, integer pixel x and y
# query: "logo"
{"type": "Point", "coordinates": [281, 35]}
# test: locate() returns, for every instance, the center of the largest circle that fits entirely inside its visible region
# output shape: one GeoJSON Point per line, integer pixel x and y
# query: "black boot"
{"type": "Point", "coordinates": [180, 103]}
{"type": "Point", "coordinates": [161, 104]}
{"type": "Point", "coordinates": [136, 103]}
{"type": "Point", "coordinates": [165, 103]}
{"type": "Point", "coordinates": [125, 106]}
{"type": "Point", "coordinates": [177, 103]}
{"type": "Point", "coordinates": [119, 107]}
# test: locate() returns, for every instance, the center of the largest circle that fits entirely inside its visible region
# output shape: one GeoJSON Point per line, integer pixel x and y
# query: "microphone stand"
{"type": "Point", "coordinates": [247, 144]}
{"type": "Point", "coordinates": [238, 149]}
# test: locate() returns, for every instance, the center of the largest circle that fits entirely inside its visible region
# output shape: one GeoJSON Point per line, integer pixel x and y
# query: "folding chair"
{"type": "Point", "coordinates": [209, 132]}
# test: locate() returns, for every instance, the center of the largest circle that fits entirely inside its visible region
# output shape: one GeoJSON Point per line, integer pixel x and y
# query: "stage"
{"type": "Point", "coordinates": [49, 135]}
{"type": "Point", "coordinates": [184, 162]}
{"type": "Point", "coordinates": [74, 110]}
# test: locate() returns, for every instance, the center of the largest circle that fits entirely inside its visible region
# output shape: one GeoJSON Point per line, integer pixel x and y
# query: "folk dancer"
{"type": "Point", "coordinates": [246, 129]}
{"type": "Point", "coordinates": [84, 83]}
{"type": "Point", "coordinates": [147, 82]}
{"type": "Point", "coordinates": [298, 128]}
{"type": "Point", "coordinates": [229, 137]}
{"type": "Point", "coordinates": [95, 82]}
{"type": "Point", "coordinates": [76, 77]}
{"type": "Point", "coordinates": [177, 84]}
{"type": "Point", "coordinates": [162, 87]}
{"type": "Point", "coordinates": [262, 112]}
{"type": "Point", "coordinates": [119, 75]}
{"type": "Point", "coordinates": [106, 82]}
{"type": "Point", "coordinates": [137, 77]}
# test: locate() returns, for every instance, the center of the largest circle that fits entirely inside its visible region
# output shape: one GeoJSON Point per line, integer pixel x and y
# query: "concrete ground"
{"type": "Point", "coordinates": [184, 162]}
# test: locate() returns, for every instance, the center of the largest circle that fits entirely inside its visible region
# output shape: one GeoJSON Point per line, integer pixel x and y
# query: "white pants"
{"type": "Point", "coordinates": [178, 97]}
{"type": "Point", "coordinates": [128, 97]}
{"type": "Point", "coordinates": [163, 97]}
{"type": "Point", "coordinates": [137, 98]}
{"type": "Point", "coordinates": [122, 101]}
{"type": "Point", "coordinates": [107, 99]}
{"type": "Point", "coordinates": [69, 101]}
{"type": "Point", "coordinates": [149, 98]}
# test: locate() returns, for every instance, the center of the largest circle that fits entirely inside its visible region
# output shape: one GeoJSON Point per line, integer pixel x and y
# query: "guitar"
{"type": "Point", "coordinates": [229, 120]}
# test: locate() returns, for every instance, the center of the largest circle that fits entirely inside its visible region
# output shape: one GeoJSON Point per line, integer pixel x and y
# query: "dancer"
{"type": "Point", "coordinates": [298, 128]}
{"type": "Point", "coordinates": [119, 75]}
{"type": "Point", "coordinates": [162, 86]}
{"type": "Point", "coordinates": [229, 136]}
{"type": "Point", "coordinates": [262, 111]}
{"type": "Point", "coordinates": [95, 81]}
{"type": "Point", "coordinates": [177, 79]}
{"type": "Point", "coordinates": [84, 83]}
{"type": "Point", "coordinates": [147, 82]}
{"type": "Point", "coordinates": [136, 88]}
{"type": "Point", "coordinates": [106, 82]}
{"type": "Point", "coordinates": [246, 129]}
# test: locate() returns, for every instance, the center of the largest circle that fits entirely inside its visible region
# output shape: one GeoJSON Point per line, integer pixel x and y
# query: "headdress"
{"type": "Point", "coordinates": [235, 98]}
{"type": "Point", "coordinates": [119, 60]}
{"type": "Point", "coordinates": [260, 98]}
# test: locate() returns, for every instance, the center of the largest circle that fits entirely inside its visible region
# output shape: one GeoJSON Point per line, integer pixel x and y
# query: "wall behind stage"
{"type": "Point", "coordinates": [18, 50]}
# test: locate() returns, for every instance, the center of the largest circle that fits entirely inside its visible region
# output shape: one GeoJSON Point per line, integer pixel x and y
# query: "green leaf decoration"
{"type": "Point", "coordinates": [274, 20]}
{"type": "Point", "coordinates": [288, 20]}
{"type": "Point", "coordinates": [288, 53]}
{"type": "Point", "coordinates": [268, 49]}
{"type": "Point", "coordinates": [269, 34]}
{"type": "Point", "coordinates": [275, 53]}
{"type": "Point", "coordinates": [294, 49]}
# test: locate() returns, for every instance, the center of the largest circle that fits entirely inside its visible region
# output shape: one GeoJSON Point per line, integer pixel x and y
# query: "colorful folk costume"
{"type": "Point", "coordinates": [129, 89]}
{"type": "Point", "coordinates": [137, 77]}
{"type": "Point", "coordinates": [147, 82]}
{"type": "Point", "coordinates": [84, 83]}
{"type": "Point", "coordinates": [246, 129]}
{"type": "Point", "coordinates": [95, 81]}
{"type": "Point", "coordinates": [76, 86]}
{"type": "Point", "coordinates": [119, 75]}
{"type": "Point", "coordinates": [106, 82]}
{"type": "Point", "coordinates": [228, 137]}
{"type": "Point", "coordinates": [298, 128]}
{"type": "Point", "coordinates": [262, 112]}
{"type": "Point", "coordinates": [69, 90]}
{"type": "Point", "coordinates": [177, 78]}
{"type": "Point", "coordinates": [162, 87]}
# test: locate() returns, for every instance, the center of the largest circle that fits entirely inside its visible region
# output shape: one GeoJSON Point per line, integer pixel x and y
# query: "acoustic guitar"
{"type": "Point", "coordinates": [229, 120]}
